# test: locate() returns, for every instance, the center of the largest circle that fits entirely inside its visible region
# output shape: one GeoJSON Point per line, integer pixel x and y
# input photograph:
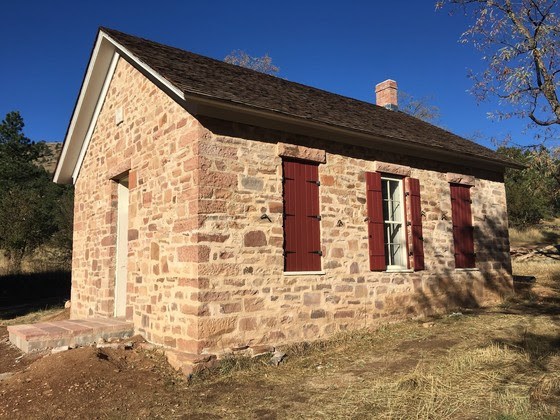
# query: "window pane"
{"type": "Point", "coordinates": [388, 259]}
{"type": "Point", "coordinates": [394, 231]}
{"type": "Point", "coordinates": [395, 254]}
{"type": "Point", "coordinates": [399, 256]}
{"type": "Point", "coordinates": [393, 190]}
{"type": "Point", "coordinates": [396, 201]}
{"type": "Point", "coordinates": [395, 211]}
{"type": "Point", "coordinates": [384, 187]}
{"type": "Point", "coordinates": [394, 227]}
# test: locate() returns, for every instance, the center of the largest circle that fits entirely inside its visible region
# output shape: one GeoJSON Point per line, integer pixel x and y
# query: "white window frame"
{"type": "Point", "coordinates": [402, 235]}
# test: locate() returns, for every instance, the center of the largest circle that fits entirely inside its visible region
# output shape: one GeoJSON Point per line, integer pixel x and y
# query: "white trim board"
{"type": "Point", "coordinates": [95, 116]}
{"type": "Point", "coordinates": [98, 76]}
{"type": "Point", "coordinates": [64, 155]}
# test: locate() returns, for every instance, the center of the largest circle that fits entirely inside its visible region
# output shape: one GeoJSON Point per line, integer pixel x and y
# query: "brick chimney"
{"type": "Point", "coordinates": [386, 94]}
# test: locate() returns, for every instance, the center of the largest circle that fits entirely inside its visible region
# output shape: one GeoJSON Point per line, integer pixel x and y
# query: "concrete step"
{"type": "Point", "coordinates": [76, 332]}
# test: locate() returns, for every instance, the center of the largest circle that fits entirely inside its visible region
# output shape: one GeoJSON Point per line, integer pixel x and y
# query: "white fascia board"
{"type": "Point", "coordinates": [93, 81]}
{"type": "Point", "coordinates": [93, 121]}
{"type": "Point", "coordinates": [158, 79]}
{"type": "Point", "coordinates": [90, 101]}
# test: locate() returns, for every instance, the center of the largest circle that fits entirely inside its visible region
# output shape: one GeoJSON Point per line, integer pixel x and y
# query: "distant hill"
{"type": "Point", "coordinates": [49, 161]}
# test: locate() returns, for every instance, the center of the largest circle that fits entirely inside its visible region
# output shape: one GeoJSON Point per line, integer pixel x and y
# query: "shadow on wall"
{"type": "Point", "coordinates": [449, 289]}
{"type": "Point", "coordinates": [21, 294]}
{"type": "Point", "coordinates": [333, 146]}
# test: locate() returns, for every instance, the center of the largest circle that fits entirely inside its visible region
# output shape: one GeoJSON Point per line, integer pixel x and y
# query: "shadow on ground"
{"type": "Point", "coordinates": [531, 303]}
{"type": "Point", "coordinates": [21, 294]}
{"type": "Point", "coordinates": [551, 237]}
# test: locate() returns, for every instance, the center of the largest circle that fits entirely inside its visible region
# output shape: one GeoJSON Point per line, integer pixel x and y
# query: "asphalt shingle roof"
{"type": "Point", "coordinates": [214, 79]}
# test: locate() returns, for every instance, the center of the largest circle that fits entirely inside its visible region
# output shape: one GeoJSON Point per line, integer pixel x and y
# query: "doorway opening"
{"type": "Point", "coordinates": [121, 269]}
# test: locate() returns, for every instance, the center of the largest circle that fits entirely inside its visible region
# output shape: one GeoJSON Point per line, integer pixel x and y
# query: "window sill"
{"type": "Point", "coordinates": [467, 269]}
{"type": "Point", "coordinates": [400, 270]}
{"type": "Point", "coordinates": [304, 273]}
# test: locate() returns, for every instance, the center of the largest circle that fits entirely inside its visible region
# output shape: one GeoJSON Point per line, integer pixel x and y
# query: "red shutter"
{"type": "Point", "coordinates": [463, 240]}
{"type": "Point", "coordinates": [412, 188]}
{"type": "Point", "coordinates": [376, 233]}
{"type": "Point", "coordinates": [302, 247]}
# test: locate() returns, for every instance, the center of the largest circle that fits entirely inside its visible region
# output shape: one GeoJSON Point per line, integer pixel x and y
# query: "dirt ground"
{"type": "Point", "coordinates": [501, 362]}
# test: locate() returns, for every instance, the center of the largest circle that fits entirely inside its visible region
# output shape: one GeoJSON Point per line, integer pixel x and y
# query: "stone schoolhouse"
{"type": "Point", "coordinates": [218, 208]}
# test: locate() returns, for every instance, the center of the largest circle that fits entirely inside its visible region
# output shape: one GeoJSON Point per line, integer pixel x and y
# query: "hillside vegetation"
{"type": "Point", "coordinates": [35, 214]}
{"type": "Point", "coordinates": [49, 160]}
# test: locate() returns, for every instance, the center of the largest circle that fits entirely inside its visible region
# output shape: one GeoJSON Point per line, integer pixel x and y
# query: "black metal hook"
{"type": "Point", "coordinates": [264, 216]}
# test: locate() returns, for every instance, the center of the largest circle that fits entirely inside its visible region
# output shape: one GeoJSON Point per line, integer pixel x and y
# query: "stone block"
{"type": "Point", "coordinates": [252, 183]}
{"type": "Point", "coordinates": [360, 291]}
{"type": "Point", "coordinates": [301, 152]}
{"type": "Point", "coordinates": [460, 179]}
{"type": "Point", "coordinates": [255, 238]}
{"type": "Point", "coordinates": [154, 251]}
{"type": "Point", "coordinates": [276, 207]}
{"type": "Point", "coordinates": [392, 168]}
{"type": "Point", "coordinates": [253, 304]}
{"type": "Point", "coordinates": [194, 253]}
{"type": "Point", "coordinates": [231, 307]}
{"type": "Point", "coordinates": [344, 314]}
{"type": "Point", "coordinates": [318, 313]}
{"type": "Point", "coordinates": [248, 324]}
{"type": "Point", "coordinates": [261, 350]}
{"type": "Point", "coordinates": [311, 299]}
{"type": "Point", "coordinates": [215, 327]}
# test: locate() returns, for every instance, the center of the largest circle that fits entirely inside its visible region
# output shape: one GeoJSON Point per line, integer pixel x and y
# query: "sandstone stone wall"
{"type": "Point", "coordinates": [205, 269]}
{"type": "Point", "coordinates": [248, 300]}
{"type": "Point", "coordinates": [157, 144]}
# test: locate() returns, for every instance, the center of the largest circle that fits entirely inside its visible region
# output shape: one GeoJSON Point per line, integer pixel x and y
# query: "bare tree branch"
{"type": "Point", "coordinates": [418, 107]}
{"type": "Point", "coordinates": [521, 43]}
{"type": "Point", "coordinates": [262, 64]}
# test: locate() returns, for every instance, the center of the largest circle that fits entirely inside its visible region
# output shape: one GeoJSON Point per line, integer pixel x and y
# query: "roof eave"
{"type": "Point", "coordinates": [96, 80]}
{"type": "Point", "coordinates": [206, 102]}
{"type": "Point", "coordinates": [82, 114]}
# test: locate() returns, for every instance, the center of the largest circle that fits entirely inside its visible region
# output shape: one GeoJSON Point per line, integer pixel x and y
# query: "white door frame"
{"type": "Point", "coordinates": [121, 266]}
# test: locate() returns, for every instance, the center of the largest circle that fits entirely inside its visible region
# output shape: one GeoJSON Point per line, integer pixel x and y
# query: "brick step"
{"type": "Point", "coordinates": [82, 332]}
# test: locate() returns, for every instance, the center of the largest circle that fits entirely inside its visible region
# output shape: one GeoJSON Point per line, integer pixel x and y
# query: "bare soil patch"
{"type": "Point", "coordinates": [11, 359]}
{"type": "Point", "coordinates": [90, 382]}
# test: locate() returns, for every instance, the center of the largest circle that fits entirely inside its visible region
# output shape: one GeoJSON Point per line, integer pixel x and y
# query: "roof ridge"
{"type": "Point", "coordinates": [236, 66]}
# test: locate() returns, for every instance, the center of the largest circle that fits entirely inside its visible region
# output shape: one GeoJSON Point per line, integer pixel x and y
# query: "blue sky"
{"type": "Point", "coordinates": [342, 47]}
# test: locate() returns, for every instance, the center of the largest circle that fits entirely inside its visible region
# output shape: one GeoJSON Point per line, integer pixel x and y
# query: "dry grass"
{"type": "Point", "coordinates": [547, 233]}
{"type": "Point", "coordinates": [488, 366]}
{"type": "Point", "coordinates": [52, 314]}
{"type": "Point", "coordinates": [497, 363]}
{"type": "Point", "coordinates": [526, 237]}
